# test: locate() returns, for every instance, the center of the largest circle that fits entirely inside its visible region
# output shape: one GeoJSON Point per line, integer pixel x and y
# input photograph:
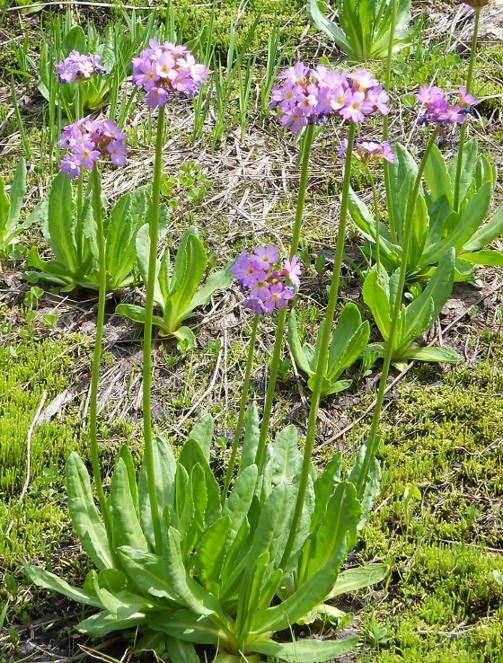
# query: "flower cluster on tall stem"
{"type": "Point", "coordinates": [164, 69]}
{"type": "Point", "coordinates": [90, 141]}
{"type": "Point", "coordinates": [439, 108]}
{"type": "Point", "coordinates": [368, 151]}
{"type": "Point", "coordinates": [309, 96]}
{"type": "Point", "coordinates": [78, 68]}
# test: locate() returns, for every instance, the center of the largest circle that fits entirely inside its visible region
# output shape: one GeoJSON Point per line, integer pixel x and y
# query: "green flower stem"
{"type": "Point", "coordinates": [147, 341]}
{"type": "Point", "coordinates": [462, 137]}
{"type": "Point", "coordinates": [324, 349]}
{"type": "Point", "coordinates": [79, 113]}
{"type": "Point", "coordinates": [376, 216]}
{"type": "Point", "coordinates": [394, 319]}
{"type": "Point", "coordinates": [387, 86]}
{"type": "Point", "coordinates": [280, 328]}
{"type": "Point", "coordinates": [242, 407]}
{"type": "Point", "coordinates": [95, 371]}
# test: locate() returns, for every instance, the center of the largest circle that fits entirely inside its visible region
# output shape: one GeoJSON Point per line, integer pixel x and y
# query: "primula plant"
{"type": "Point", "coordinates": [180, 290]}
{"type": "Point", "coordinates": [10, 211]}
{"type": "Point", "coordinates": [366, 29]}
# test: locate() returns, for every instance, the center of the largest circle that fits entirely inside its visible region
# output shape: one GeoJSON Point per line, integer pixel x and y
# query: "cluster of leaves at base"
{"type": "Point", "coordinates": [177, 291]}
{"type": "Point", "coordinates": [437, 226]}
{"type": "Point", "coordinates": [219, 575]}
{"type": "Point", "coordinates": [364, 29]}
{"type": "Point", "coordinates": [72, 238]}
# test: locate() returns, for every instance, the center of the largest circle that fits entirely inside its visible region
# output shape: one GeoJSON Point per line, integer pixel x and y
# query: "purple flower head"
{"type": "Point", "coordinates": [165, 68]}
{"type": "Point", "coordinates": [439, 108]}
{"type": "Point", "coordinates": [268, 285]}
{"type": "Point", "coordinates": [368, 151]}
{"type": "Point", "coordinates": [88, 141]}
{"type": "Point", "coordinates": [309, 96]}
{"type": "Point", "coordinates": [78, 68]}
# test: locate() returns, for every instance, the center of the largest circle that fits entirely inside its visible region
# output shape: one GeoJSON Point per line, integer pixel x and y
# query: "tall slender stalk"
{"type": "Point", "coordinates": [462, 137]}
{"type": "Point", "coordinates": [147, 341]}
{"type": "Point", "coordinates": [376, 217]}
{"type": "Point", "coordinates": [387, 85]}
{"type": "Point", "coordinates": [280, 328]}
{"type": "Point", "coordinates": [394, 319]}
{"type": "Point", "coordinates": [242, 407]}
{"type": "Point", "coordinates": [95, 369]}
{"type": "Point", "coordinates": [79, 114]}
{"type": "Point", "coordinates": [324, 349]}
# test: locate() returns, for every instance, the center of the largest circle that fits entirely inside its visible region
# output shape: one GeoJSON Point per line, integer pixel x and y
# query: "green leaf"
{"type": "Point", "coordinates": [402, 178]}
{"type": "Point", "coordinates": [376, 298]}
{"type": "Point", "coordinates": [185, 625]}
{"type": "Point", "coordinates": [363, 576]}
{"type": "Point", "coordinates": [74, 41]}
{"type": "Point", "coordinates": [185, 336]}
{"type": "Point", "coordinates": [324, 487]}
{"type": "Point", "coordinates": [239, 501]}
{"type": "Point", "coordinates": [296, 347]}
{"type": "Point", "coordinates": [286, 459]}
{"type": "Point", "coordinates": [120, 236]}
{"type": "Point", "coordinates": [202, 432]}
{"type": "Point", "coordinates": [137, 314]}
{"type": "Point", "coordinates": [191, 455]}
{"type": "Point", "coordinates": [50, 581]}
{"type": "Point", "coordinates": [437, 177]}
{"type": "Point", "coordinates": [419, 232]}
{"type": "Point", "coordinates": [188, 271]}
{"type": "Point", "coordinates": [486, 233]}
{"type": "Point", "coordinates": [125, 454]}
{"type": "Point", "coordinates": [216, 281]}
{"type": "Point", "coordinates": [142, 260]}
{"type": "Point", "coordinates": [251, 438]}
{"type": "Point", "coordinates": [488, 257]}
{"type": "Point", "coordinates": [126, 530]}
{"type": "Point", "coordinates": [447, 355]}
{"type": "Point", "coordinates": [61, 222]}
{"type": "Point", "coordinates": [211, 552]}
{"type": "Point", "coordinates": [348, 341]}
{"type": "Point", "coordinates": [165, 470]}
{"type": "Point", "coordinates": [180, 651]}
{"type": "Point", "coordinates": [84, 515]}
{"type": "Point", "coordinates": [103, 623]}
{"type": "Point", "coordinates": [372, 484]}
{"type": "Point", "coordinates": [304, 651]}
{"type": "Point", "coordinates": [470, 152]}
{"type": "Point", "coordinates": [146, 571]}
{"type": "Point", "coordinates": [321, 22]}
{"type": "Point", "coordinates": [337, 524]}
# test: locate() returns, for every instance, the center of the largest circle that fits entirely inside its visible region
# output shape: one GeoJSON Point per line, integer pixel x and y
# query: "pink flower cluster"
{"type": "Point", "coordinates": [439, 108]}
{"type": "Point", "coordinates": [88, 141]}
{"type": "Point", "coordinates": [78, 67]}
{"type": "Point", "coordinates": [257, 274]}
{"type": "Point", "coordinates": [306, 96]}
{"type": "Point", "coordinates": [166, 68]}
{"type": "Point", "coordinates": [368, 151]}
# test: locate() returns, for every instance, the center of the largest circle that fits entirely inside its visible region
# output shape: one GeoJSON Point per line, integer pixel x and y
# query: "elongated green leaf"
{"type": "Point", "coordinates": [126, 530]}
{"type": "Point", "coordinates": [372, 482]}
{"type": "Point", "coordinates": [447, 355]}
{"type": "Point", "coordinates": [121, 604]}
{"type": "Point", "coordinates": [84, 515]}
{"type": "Point", "coordinates": [296, 347]}
{"type": "Point", "coordinates": [211, 552]}
{"type": "Point", "coordinates": [185, 336]}
{"type": "Point", "coordinates": [202, 432]}
{"type": "Point", "coordinates": [437, 177]}
{"type": "Point", "coordinates": [247, 608]}
{"type": "Point", "coordinates": [470, 152]}
{"type": "Point", "coordinates": [317, 587]}
{"type": "Point", "coordinates": [50, 581]}
{"type": "Point", "coordinates": [337, 524]}
{"type": "Point", "coordinates": [402, 177]}
{"type": "Point", "coordinates": [187, 626]}
{"type": "Point", "coordinates": [487, 257]}
{"type": "Point", "coordinates": [304, 651]}
{"type": "Point", "coordinates": [324, 487]}
{"type": "Point", "coordinates": [74, 41]}
{"type": "Point", "coordinates": [348, 342]}
{"type": "Point", "coordinates": [377, 300]}
{"type": "Point", "coordinates": [419, 232]}
{"type": "Point", "coordinates": [199, 499]}
{"type": "Point", "coordinates": [103, 623]}
{"type": "Point", "coordinates": [286, 459]}
{"type": "Point", "coordinates": [239, 501]}
{"type": "Point", "coordinates": [486, 233]}
{"type": "Point", "coordinates": [364, 576]}
{"type": "Point", "coordinates": [321, 22]}
{"type": "Point", "coordinates": [251, 438]}
{"type": "Point", "coordinates": [125, 454]}
{"type": "Point", "coordinates": [188, 592]}
{"type": "Point", "coordinates": [142, 260]}
{"type": "Point", "coordinates": [191, 455]}
{"type": "Point", "coordinates": [188, 271]}
{"type": "Point", "coordinates": [216, 281]}
{"type": "Point", "coordinates": [121, 239]}
{"type": "Point", "coordinates": [421, 313]}
{"type": "Point", "coordinates": [17, 193]}
{"type": "Point", "coordinates": [137, 314]}
{"type": "Point", "coordinates": [438, 213]}
{"type": "Point", "coordinates": [146, 571]}
{"type": "Point", "coordinates": [165, 470]}
{"type": "Point", "coordinates": [61, 222]}
{"type": "Point", "coordinates": [4, 210]}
